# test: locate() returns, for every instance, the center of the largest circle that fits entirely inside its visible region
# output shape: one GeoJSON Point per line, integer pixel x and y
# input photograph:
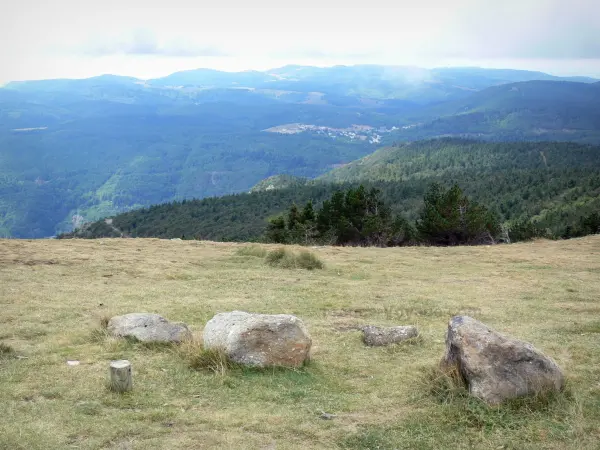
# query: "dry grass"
{"type": "Point", "coordinates": [55, 294]}
{"type": "Point", "coordinates": [252, 250]}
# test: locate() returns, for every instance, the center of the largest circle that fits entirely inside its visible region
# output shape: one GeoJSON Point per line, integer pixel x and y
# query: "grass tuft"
{"type": "Point", "coordinates": [309, 261]}
{"type": "Point", "coordinates": [104, 320]}
{"type": "Point", "coordinates": [369, 438]}
{"type": "Point", "coordinates": [252, 250]}
{"type": "Point", "coordinates": [277, 256]}
{"type": "Point", "coordinates": [98, 335]}
{"type": "Point", "coordinates": [198, 358]}
{"type": "Point", "coordinates": [6, 351]}
{"type": "Point", "coordinates": [447, 387]}
{"type": "Point", "coordinates": [287, 259]}
{"type": "Point", "coordinates": [444, 384]}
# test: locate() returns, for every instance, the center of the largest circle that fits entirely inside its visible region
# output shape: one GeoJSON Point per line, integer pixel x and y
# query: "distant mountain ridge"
{"type": "Point", "coordinates": [528, 110]}
{"type": "Point", "coordinates": [371, 81]}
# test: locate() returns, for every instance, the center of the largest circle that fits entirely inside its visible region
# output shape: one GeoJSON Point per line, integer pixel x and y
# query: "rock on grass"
{"type": "Point", "coordinates": [148, 327]}
{"type": "Point", "coordinates": [496, 367]}
{"type": "Point", "coordinates": [379, 336]}
{"type": "Point", "coordinates": [259, 340]}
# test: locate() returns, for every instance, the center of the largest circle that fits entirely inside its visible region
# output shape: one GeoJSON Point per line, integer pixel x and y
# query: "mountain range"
{"type": "Point", "coordinates": [72, 151]}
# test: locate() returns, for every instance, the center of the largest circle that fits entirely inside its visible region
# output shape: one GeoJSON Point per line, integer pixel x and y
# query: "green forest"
{"type": "Point", "coordinates": [546, 189]}
{"type": "Point", "coordinates": [359, 217]}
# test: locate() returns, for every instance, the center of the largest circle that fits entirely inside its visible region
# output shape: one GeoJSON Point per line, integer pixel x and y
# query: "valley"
{"type": "Point", "coordinates": [554, 185]}
{"type": "Point", "coordinates": [97, 147]}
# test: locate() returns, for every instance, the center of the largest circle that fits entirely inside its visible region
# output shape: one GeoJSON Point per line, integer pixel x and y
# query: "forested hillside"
{"type": "Point", "coordinates": [554, 184]}
{"type": "Point", "coordinates": [73, 151]}
{"type": "Point", "coordinates": [124, 156]}
{"type": "Point", "coordinates": [533, 111]}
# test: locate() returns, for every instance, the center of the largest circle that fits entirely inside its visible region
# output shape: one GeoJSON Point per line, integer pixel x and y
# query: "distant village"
{"type": "Point", "coordinates": [354, 132]}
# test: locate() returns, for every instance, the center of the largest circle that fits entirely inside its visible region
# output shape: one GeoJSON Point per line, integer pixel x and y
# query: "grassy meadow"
{"type": "Point", "coordinates": [55, 295]}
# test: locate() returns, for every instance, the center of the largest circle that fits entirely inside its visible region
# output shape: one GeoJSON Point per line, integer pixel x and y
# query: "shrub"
{"type": "Point", "coordinates": [526, 230]}
{"type": "Point", "coordinates": [274, 257]}
{"type": "Point", "coordinates": [286, 259]}
{"type": "Point", "coordinates": [251, 250]}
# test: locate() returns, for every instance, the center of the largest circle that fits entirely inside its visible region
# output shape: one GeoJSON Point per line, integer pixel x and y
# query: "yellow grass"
{"type": "Point", "coordinates": [54, 295]}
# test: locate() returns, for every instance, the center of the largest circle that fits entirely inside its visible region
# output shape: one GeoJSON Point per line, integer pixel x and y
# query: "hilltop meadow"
{"type": "Point", "coordinates": [56, 296]}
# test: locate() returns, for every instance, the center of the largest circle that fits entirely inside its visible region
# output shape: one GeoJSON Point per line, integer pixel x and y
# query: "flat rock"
{"type": "Point", "coordinates": [496, 367]}
{"type": "Point", "coordinates": [148, 327]}
{"type": "Point", "coordinates": [259, 339]}
{"type": "Point", "coordinates": [378, 336]}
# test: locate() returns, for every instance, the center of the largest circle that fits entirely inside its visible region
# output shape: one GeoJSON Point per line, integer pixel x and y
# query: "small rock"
{"type": "Point", "coordinates": [378, 336]}
{"type": "Point", "coordinates": [496, 367]}
{"type": "Point", "coordinates": [327, 416]}
{"type": "Point", "coordinates": [147, 327]}
{"type": "Point", "coordinates": [73, 363]}
{"type": "Point", "coordinates": [259, 339]}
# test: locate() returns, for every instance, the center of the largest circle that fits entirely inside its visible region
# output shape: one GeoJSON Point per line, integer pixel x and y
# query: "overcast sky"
{"type": "Point", "coordinates": [150, 38]}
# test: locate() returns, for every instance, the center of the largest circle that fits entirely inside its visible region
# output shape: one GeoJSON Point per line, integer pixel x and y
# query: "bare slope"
{"type": "Point", "coordinates": [53, 294]}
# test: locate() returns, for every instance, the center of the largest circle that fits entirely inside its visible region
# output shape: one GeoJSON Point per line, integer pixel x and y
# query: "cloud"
{"type": "Point", "coordinates": [145, 38]}
{"type": "Point", "coordinates": [144, 43]}
{"type": "Point", "coordinates": [323, 53]}
{"type": "Point", "coordinates": [531, 29]}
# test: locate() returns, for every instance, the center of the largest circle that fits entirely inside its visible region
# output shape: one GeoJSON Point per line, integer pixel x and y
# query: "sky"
{"type": "Point", "coordinates": [42, 39]}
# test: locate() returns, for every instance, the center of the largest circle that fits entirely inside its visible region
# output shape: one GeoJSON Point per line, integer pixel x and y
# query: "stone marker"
{"type": "Point", "coordinates": [496, 367]}
{"type": "Point", "coordinates": [259, 339]}
{"type": "Point", "coordinates": [121, 379]}
{"type": "Point", "coordinates": [147, 327]}
{"type": "Point", "coordinates": [378, 336]}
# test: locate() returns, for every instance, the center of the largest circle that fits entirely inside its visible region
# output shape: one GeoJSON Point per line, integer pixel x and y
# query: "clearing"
{"type": "Point", "coordinates": [54, 294]}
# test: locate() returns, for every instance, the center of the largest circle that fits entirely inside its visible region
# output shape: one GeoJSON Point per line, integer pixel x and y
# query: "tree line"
{"type": "Point", "coordinates": [359, 217]}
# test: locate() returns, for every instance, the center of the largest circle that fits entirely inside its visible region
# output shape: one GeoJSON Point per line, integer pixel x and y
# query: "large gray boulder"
{"type": "Point", "coordinates": [378, 336]}
{"type": "Point", "coordinates": [148, 327]}
{"type": "Point", "coordinates": [259, 339]}
{"type": "Point", "coordinates": [496, 367]}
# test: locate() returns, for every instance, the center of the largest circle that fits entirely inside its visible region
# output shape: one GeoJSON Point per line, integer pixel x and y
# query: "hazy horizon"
{"type": "Point", "coordinates": [147, 39]}
{"type": "Point", "coordinates": [2, 83]}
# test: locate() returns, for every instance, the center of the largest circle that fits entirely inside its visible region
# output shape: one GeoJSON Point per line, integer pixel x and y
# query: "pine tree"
{"type": "Point", "coordinates": [450, 218]}
{"type": "Point", "coordinates": [277, 231]}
